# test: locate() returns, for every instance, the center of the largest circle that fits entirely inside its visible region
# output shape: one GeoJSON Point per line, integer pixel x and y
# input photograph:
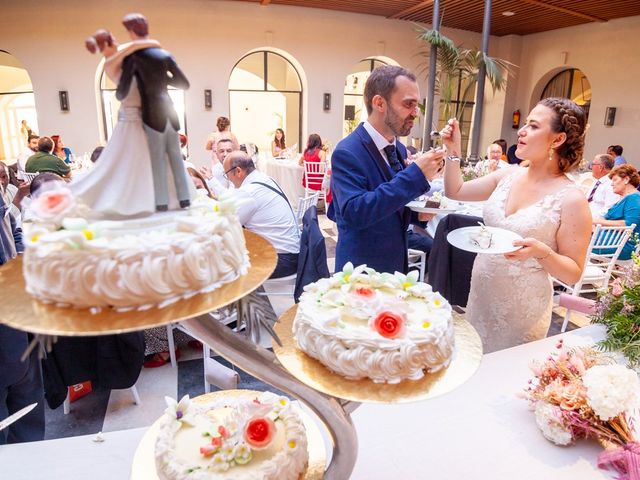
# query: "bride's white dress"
{"type": "Point", "coordinates": [120, 184]}
{"type": "Point", "coordinates": [510, 302]}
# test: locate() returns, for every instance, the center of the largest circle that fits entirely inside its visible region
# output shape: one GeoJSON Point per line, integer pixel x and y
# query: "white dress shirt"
{"type": "Point", "coordinates": [603, 198]}
{"type": "Point", "coordinates": [22, 161]}
{"type": "Point", "coordinates": [379, 140]}
{"type": "Point", "coordinates": [267, 213]}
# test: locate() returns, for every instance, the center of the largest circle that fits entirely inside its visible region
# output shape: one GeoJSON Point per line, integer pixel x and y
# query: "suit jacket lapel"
{"type": "Point", "coordinates": [369, 144]}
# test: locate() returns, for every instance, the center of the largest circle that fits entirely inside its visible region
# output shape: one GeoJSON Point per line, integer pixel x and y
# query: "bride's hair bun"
{"type": "Point", "coordinates": [99, 40]}
{"type": "Point", "coordinates": [91, 44]}
{"type": "Point", "coordinates": [570, 119]}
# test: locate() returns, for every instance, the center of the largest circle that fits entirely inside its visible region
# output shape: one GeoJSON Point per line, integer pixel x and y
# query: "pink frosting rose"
{"type": "Point", "coordinates": [53, 204]}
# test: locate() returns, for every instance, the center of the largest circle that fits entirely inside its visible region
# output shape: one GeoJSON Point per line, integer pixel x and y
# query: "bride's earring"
{"type": "Point", "coordinates": [551, 152]}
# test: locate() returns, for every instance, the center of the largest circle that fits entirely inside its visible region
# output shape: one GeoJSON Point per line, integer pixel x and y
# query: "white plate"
{"type": "Point", "coordinates": [501, 240]}
{"type": "Point", "coordinates": [418, 206]}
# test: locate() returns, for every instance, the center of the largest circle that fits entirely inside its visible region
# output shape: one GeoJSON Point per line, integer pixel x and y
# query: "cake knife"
{"type": "Point", "coordinates": [16, 416]}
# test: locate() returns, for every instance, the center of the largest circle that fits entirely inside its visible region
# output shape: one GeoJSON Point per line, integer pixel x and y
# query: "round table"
{"type": "Point", "coordinates": [288, 174]}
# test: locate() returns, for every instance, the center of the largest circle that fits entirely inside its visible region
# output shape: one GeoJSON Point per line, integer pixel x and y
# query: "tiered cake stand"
{"type": "Point", "coordinates": [330, 397]}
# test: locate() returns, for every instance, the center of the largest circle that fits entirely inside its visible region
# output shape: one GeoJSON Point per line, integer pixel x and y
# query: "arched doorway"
{"type": "Point", "coordinates": [17, 103]}
{"type": "Point", "coordinates": [110, 104]}
{"type": "Point", "coordinates": [354, 108]}
{"type": "Point", "coordinates": [571, 83]}
{"type": "Point", "coordinates": [265, 93]}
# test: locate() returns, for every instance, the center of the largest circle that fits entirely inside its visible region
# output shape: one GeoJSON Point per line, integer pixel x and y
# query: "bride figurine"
{"type": "Point", "coordinates": [120, 185]}
{"type": "Point", "coordinates": [511, 296]}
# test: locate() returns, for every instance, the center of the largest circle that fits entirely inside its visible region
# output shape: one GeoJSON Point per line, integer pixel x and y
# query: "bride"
{"type": "Point", "coordinates": [120, 184]}
{"type": "Point", "coordinates": [511, 296]}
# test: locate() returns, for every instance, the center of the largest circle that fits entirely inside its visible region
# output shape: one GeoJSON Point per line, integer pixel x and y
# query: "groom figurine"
{"type": "Point", "coordinates": [155, 69]}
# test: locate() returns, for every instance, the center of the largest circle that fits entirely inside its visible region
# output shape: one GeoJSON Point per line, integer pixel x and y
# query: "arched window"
{"type": "Point", "coordinates": [110, 105]}
{"type": "Point", "coordinates": [570, 83]}
{"type": "Point", "coordinates": [17, 103]}
{"type": "Point", "coordinates": [265, 93]}
{"type": "Point", "coordinates": [354, 108]}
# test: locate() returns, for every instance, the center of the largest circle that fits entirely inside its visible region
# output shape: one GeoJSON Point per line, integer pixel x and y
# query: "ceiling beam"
{"type": "Point", "coordinates": [410, 10]}
{"type": "Point", "coordinates": [265, 2]}
{"type": "Point", "coordinates": [538, 3]}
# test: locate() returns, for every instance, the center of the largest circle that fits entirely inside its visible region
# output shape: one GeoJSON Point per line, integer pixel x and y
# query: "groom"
{"type": "Point", "coordinates": [155, 69]}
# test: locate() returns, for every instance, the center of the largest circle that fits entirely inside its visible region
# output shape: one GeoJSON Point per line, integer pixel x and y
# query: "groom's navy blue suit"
{"type": "Point", "coordinates": [369, 204]}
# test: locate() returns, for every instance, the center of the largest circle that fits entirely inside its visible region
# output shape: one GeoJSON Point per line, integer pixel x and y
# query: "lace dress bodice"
{"type": "Point", "coordinates": [510, 301]}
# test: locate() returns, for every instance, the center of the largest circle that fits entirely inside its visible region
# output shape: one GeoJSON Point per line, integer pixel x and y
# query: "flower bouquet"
{"type": "Point", "coordinates": [469, 173]}
{"type": "Point", "coordinates": [581, 393]}
{"type": "Point", "coordinates": [618, 309]}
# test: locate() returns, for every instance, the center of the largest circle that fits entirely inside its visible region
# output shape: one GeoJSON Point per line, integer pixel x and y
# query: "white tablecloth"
{"type": "Point", "coordinates": [479, 431]}
{"type": "Point", "coordinates": [288, 174]}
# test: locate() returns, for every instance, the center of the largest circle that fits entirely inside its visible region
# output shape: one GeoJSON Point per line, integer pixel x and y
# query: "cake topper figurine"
{"type": "Point", "coordinates": [155, 69]}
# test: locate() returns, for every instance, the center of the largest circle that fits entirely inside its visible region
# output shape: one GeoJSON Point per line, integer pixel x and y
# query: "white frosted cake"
{"type": "Point", "coordinates": [481, 238]}
{"type": "Point", "coordinates": [71, 260]}
{"type": "Point", "coordinates": [231, 438]}
{"type": "Point", "coordinates": [364, 324]}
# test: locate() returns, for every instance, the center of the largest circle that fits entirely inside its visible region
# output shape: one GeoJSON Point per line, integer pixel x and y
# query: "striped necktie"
{"type": "Point", "coordinates": [593, 191]}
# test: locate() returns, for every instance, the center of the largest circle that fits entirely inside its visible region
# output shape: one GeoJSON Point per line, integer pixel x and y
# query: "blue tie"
{"type": "Point", "coordinates": [392, 156]}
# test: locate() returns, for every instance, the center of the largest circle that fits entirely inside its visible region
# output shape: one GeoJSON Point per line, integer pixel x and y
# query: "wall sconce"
{"type": "Point", "coordinates": [610, 116]}
{"type": "Point", "coordinates": [355, 83]}
{"type": "Point", "coordinates": [208, 101]}
{"type": "Point", "coordinates": [63, 95]}
{"type": "Point", "coordinates": [326, 103]}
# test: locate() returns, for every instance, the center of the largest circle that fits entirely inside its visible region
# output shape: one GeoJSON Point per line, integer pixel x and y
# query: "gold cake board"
{"type": "Point", "coordinates": [464, 363]}
{"type": "Point", "coordinates": [144, 467]}
{"type": "Point", "coordinates": [23, 312]}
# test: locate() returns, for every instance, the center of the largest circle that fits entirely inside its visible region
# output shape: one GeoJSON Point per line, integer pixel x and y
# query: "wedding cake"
{"type": "Point", "coordinates": [71, 259]}
{"type": "Point", "coordinates": [231, 438]}
{"type": "Point", "coordinates": [364, 324]}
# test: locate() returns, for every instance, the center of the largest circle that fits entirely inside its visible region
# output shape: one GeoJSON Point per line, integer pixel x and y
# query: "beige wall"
{"type": "Point", "coordinates": [208, 37]}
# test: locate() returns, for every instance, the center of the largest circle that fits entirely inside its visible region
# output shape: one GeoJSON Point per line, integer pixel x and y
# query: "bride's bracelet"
{"type": "Point", "coordinates": [546, 256]}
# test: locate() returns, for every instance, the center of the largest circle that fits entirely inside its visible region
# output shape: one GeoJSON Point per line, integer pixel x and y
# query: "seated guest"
{"type": "Point", "coordinates": [59, 150]}
{"type": "Point", "coordinates": [12, 195]}
{"type": "Point", "coordinates": [313, 154]}
{"type": "Point", "coordinates": [266, 211]}
{"type": "Point", "coordinates": [279, 144]}
{"type": "Point", "coordinates": [214, 175]}
{"type": "Point", "coordinates": [503, 148]}
{"type": "Point", "coordinates": [199, 181]}
{"type": "Point", "coordinates": [616, 152]}
{"type": "Point", "coordinates": [601, 196]}
{"type": "Point", "coordinates": [32, 147]}
{"type": "Point", "coordinates": [492, 162]}
{"type": "Point", "coordinates": [45, 161]}
{"type": "Point", "coordinates": [624, 181]}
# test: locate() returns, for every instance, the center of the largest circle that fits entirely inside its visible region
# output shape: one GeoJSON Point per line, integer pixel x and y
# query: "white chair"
{"type": "Point", "coordinates": [304, 204]}
{"type": "Point", "coordinates": [287, 284]}
{"type": "Point", "coordinates": [418, 259]}
{"type": "Point", "coordinates": [66, 405]}
{"type": "Point", "coordinates": [28, 177]}
{"type": "Point", "coordinates": [314, 175]}
{"type": "Point", "coordinates": [599, 266]}
{"type": "Point", "coordinates": [575, 303]}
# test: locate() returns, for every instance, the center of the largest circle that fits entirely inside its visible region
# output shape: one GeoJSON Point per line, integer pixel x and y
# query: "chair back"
{"type": "Point", "coordinates": [314, 174]}
{"type": "Point", "coordinates": [604, 249]}
{"type": "Point", "coordinates": [28, 177]}
{"type": "Point", "coordinates": [304, 204]}
{"type": "Point", "coordinates": [312, 260]}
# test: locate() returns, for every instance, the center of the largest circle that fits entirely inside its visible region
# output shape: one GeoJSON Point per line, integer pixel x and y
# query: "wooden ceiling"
{"type": "Point", "coordinates": [530, 16]}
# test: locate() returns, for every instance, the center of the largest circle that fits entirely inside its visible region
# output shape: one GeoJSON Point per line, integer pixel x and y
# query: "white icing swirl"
{"type": "Point", "coordinates": [286, 464]}
{"type": "Point", "coordinates": [135, 264]}
{"type": "Point", "coordinates": [326, 329]}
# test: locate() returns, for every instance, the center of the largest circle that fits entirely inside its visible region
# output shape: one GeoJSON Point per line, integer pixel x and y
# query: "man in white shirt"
{"type": "Point", "coordinates": [215, 175]}
{"type": "Point", "coordinates": [32, 147]}
{"type": "Point", "coordinates": [265, 211]}
{"type": "Point", "coordinates": [601, 196]}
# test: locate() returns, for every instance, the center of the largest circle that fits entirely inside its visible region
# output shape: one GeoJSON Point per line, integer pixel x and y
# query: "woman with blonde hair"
{"type": "Point", "coordinates": [511, 295]}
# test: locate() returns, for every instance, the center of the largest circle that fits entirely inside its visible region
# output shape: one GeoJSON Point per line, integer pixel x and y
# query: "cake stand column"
{"type": "Point", "coordinates": [263, 364]}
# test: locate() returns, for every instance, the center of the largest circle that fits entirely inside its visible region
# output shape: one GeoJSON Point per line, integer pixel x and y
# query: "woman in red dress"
{"type": "Point", "coordinates": [313, 154]}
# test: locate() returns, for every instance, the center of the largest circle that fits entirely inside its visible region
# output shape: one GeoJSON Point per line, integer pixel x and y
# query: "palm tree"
{"type": "Point", "coordinates": [458, 69]}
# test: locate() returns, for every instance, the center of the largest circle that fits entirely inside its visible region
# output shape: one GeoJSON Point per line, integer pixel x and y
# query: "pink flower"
{"type": "Point", "coordinates": [53, 204]}
{"type": "Point", "coordinates": [259, 432]}
{"type": "Point", "coordinates": [208, 450]}
{"type": "Point", "coordinates": [365, 292]}
{"type": "Point", "coordinates": [389, 324]}
{"type": "Point", "coordinates": [617, 287]}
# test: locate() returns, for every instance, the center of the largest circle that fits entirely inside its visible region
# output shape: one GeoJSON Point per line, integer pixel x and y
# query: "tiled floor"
{"type": "Point", "coordinates": [108, 411]}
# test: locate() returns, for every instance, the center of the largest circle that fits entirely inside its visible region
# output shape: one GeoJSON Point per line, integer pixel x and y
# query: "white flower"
{"type": "Point", "coordinates": [420, 290]}
{"type": "Point", "coordinates": [228, 452]}
{"type": "Point", "coordinates": [242, 453]}
{"type": "Point", "coordinates": [74, 224]}
{"type": "Point", "coordinates": [349, 273]}
{"type": "Point", "coordinates": [219, 463]}
{"type": "Point", "coordinates": [611, 390]}
{"type": "Point", "coordinates": [179, 410]}
{"type": "Point", "coordinates": [549, 421]}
